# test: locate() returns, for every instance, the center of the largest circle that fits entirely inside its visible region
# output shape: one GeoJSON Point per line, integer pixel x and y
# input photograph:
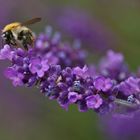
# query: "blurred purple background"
{"type": "Point", "coordinates": [103, 24]}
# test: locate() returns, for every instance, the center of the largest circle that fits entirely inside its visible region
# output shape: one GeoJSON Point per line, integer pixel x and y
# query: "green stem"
{"type": "Point", "coordinates": [127, 104]}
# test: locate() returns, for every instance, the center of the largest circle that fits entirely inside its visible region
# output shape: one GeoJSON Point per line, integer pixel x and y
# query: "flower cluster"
{"type": "Point", "coordinates": [66, 85]}
{"type": "Point", "coordinates": [67, 55]}
{"type": "Point", "coordinates": [59, 72]}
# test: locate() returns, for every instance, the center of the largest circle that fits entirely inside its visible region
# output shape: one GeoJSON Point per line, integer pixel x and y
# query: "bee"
{"type": "Point", "coordinates": [17, 34]}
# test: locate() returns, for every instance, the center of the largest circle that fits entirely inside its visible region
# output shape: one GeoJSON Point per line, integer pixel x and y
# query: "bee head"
{"type": "Point", "coordinates": [5, 34]}
{"type": "Point", "coordinates": [7, 30]}
{"type": "Point", "coordinates": [7, 37]}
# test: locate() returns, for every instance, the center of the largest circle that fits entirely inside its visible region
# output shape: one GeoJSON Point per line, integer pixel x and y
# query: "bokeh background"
{"type": "Point", "coordinates": [24, 113]}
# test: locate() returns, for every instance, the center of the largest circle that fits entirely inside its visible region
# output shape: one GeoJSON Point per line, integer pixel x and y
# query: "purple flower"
{"type": "Point", "coordinates": [65, 53]}
{"type": "Point", "coordinates": [94, 101]}
{"type": "Point", "coordinates": [103, 84]}
{"type": "Point", "coordinates": [6, 53]}
{"type": "Point", "coordinates": [81, 72]}
{"type": "Point", "coordinates": [38, 66]}
{"type": "Point", "coordinates": [63, 100]}
{"type": "Point", "coordinates": [73, 97]}
{"type": "Point", "coordinates": [130, 86]}
{"type": "Point", "coordinates": [114, 60]}
{"type": "Point", "coordinates": [41, 65]}
{"type": "Point", "coordinates": [15, 76]}
{"type": "Point", "coordinates": [113, 66]}
{"type": "Point", "coordinates": [67, 88]}
{"type": "Point", "coordinates": [50, 59]}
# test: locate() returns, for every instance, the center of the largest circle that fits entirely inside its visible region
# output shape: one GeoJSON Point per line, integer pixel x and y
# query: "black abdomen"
{"type": "Point", "coordinates": [26, 38]}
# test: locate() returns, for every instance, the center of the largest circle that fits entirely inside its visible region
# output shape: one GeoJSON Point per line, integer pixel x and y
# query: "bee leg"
{"type": "Point", "coordinates": [25, 47]}
{"type": "Point", "coordinates": [18, 45]}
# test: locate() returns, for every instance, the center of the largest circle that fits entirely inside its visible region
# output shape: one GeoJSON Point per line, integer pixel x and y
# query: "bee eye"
{"type": "Point", "coordinates": [3, 35]}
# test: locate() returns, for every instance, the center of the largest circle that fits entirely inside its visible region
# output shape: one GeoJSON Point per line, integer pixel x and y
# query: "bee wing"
{"type": "Point", "coordinates": [31, 21]}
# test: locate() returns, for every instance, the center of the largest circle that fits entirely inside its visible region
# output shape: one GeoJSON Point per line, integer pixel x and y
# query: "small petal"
{"type": "Point", "coordinates": [82, 72]}
{"type": "Point", "coordinates": [103, 84]}
{"type": "Point", "coordinates": [5, 53]}
{"type": "Point", "coordinates": [94, 101]}
{"type": "Point", "coordinates": [73, 97]}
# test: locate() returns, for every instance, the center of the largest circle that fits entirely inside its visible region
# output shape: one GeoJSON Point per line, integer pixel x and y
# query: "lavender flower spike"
{"type": "Point", "coordinates": [59, 72]}
{"type": "Point", "coordinates": [66, 85]}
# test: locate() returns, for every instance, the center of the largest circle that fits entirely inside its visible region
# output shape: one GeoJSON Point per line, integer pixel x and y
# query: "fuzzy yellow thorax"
{"type": "Point", "coordinates": [11, 26]}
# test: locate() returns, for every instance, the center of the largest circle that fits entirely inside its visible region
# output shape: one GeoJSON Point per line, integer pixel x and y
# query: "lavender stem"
{"type": "Point", "coordinates": [126, 103]}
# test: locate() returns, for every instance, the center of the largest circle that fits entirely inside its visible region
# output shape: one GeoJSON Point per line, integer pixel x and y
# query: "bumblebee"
{"type": "Point", "coordinates": [18, 35]}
